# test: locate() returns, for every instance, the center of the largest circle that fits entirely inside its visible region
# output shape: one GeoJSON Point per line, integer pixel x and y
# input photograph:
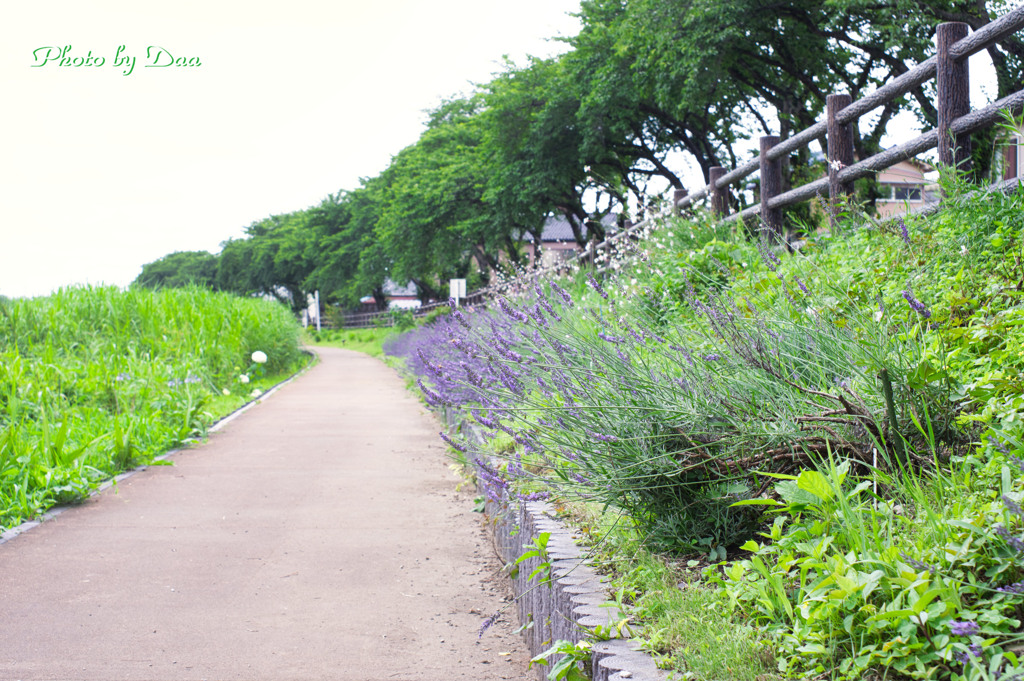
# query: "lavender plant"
{"type": "Point", "coordinates": [669, 422]}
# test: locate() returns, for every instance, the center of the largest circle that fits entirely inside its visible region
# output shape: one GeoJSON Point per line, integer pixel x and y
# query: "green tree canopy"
{"type": "Point", "coordinates": [179, 269]}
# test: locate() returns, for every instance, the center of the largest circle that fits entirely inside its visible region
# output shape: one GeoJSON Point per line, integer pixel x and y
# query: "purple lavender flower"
{"type": "Point", "coordinates": [802, 286]}
{"type": "Point", "coordinates": [1017, 588]}
{"type": "Point", "coordinates": [915, 304]}
{"type": "Point", "coordinates": [1012, 506]}
{"type": "Point", "coordinates": [543, 302]}
{"type": "Point", "coordinates": [472, 376]}
{"type": "Point", "coordinates": [455, 445]}
{"type": "Point", "coordinates": [460, 318]}
{"type": "Point", "coordinates": [493, 482]}
{"type": "Point", "coordinates": [487, 624]}
{"type": "Point", "coordinates": [534, 496]}
{"type": "Point", "coordinates": [535, 312]}
{"type": "Point", "coordinates": [1002, 447]}
{"type": "Point", "coordinates": [510, 381]}
{"type": "Point", "coordinates": [433, 369]}
{"type": "Point", "coordinates": [602, 438]}
{"type": "Point", "coordinates": [655, 336]}
{"type": "Point", "coordinates": [561, 292]}
{"type": "Point", "coordinates": [433, 398]}
{"type": "Point", "coordinates": [461, 346]}
{"type": "Point", "coordinates": [918, 565]}
{"type": "Point", "coordinates": [973, 651]}
{"type": "Point", "coordinates": [510, 355]}
{"type": "Point", "coordinates": [610, 339]}
{"type": "Point", "coordinates": [711, 358]}
{"type": "Point", "coordinates": [594, 284]}
{"type": "Point", "coordinates": [511, 311]}
{"type": "Point", "coordinates": [1013, 542]}
{"type": "Point", "coordinates": [768, 257]}
{"type": "Point", "coordinates": [484, 421]}
{"type": "Point", "coordinates": [967, 628]}
{"type": "Point", "coordinates": [904, 232]}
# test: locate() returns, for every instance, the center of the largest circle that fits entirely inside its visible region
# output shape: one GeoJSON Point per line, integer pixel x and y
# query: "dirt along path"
{"type": "Point", "coordinates": [319, 535]}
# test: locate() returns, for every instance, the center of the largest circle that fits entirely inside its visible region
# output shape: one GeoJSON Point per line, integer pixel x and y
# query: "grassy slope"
{"type": "Point", "coordinates": [846, 579]}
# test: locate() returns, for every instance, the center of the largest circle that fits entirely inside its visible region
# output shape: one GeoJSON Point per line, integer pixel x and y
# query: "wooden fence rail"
{"type": "Point", "coordinates": [955, 123]}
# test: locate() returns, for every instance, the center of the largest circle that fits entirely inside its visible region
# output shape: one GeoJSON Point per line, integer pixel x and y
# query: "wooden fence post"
{"type": "Point", "coordinates": [771, 186]}
{"type": "Point", "coordinates": [677, 196]}
{"type": "Point", "coordinates": [719, 197]}
{"type": "Point", "coordinates": [840, 147]}
{"type": "Point", "coordinates": [954, 100]}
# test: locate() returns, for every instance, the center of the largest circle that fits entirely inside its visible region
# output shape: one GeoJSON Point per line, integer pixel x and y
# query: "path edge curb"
{"type": "Point", "coordinates": [577, 600]}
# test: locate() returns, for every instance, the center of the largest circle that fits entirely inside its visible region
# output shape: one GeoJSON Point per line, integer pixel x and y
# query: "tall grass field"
{"type": "Point", "coordinates": [94, 381]}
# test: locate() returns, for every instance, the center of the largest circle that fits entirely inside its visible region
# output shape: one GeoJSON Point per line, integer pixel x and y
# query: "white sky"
{"type": "Point", "coordinates": [102, 172]}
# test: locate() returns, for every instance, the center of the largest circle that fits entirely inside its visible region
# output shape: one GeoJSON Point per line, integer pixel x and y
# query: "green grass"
{"type": "Point", "coordinates": [94, 381]}
{"type": "Point", "coordinates": [367, 341]}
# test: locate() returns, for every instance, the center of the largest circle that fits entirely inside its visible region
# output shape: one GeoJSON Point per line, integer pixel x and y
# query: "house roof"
{"type": "Point", "coordinates": [393, 289]}
{"type": "Point", "coordinates": [557, 228]}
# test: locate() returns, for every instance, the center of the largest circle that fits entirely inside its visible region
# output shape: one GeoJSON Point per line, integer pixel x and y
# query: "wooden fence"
{"type": "Point", "coordinates": [952, 137]}
{"type": "Point", "coordinates": [955, 123]}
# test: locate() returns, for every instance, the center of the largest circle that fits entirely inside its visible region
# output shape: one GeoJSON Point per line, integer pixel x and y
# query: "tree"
{"type": "Point", "coordinates": [434, 221]}
{"type": "Point", "coordinates": [179, 269]}
{"type": "Point", "coordinates": [348, 266]}
{"type": "Point", "coordinates": [534, 145]}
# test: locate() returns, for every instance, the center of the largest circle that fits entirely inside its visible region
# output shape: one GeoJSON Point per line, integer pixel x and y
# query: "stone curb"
{"type": "Point", "coordinates": [577, 600]}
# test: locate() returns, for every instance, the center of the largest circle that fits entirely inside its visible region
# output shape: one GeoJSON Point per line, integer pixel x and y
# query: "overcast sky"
{"type": "Point", "coordinates": [105, 168]}
{"type": "Point", "coordinates": [102, 170]}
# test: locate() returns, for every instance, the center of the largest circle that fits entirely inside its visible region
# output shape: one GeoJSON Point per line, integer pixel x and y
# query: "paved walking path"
{"type": "Point", "coordinates": [316, 536]}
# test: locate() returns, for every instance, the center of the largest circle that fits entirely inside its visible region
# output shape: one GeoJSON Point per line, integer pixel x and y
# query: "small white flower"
{"type": "Point", "coordinates": [244, 378]}
{"type": "Point", "coordinates": [259, 357]}
{"type": "Point", "coordinates": [226, 391]}
{"type": "Point", "coordinates": [836, 164]}
{"type": "Point", "coordinates": [255, 392]}
{"type": "Point", "coordinates": [963, 250]}
{"type": "Point", "coordinates": [878, 315]}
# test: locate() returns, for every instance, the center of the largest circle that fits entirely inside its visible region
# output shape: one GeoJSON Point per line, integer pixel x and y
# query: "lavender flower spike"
{"type": "Point", "coordinates": [915, 304]}
{"type": "Point", "coordinates": [455, 445]}
{"type": "Point", "coordinates": [1013, 542]}
{"type": "Point", "coordinates": [904, 232]}
{"type": "Point", "coordinates": [596, 286]}
{"type": "Point", "coordinates": [511, 312]}
{"type": "Point", "coordinates": [602, 438]}
{"type": "Point", "coordinates": [957, 628]}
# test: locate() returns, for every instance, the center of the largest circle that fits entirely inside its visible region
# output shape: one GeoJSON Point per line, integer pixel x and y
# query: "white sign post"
{"type": "Point", "coordinates": [457, 289]}
{"type": "Point", "coordinates": [316, 299]}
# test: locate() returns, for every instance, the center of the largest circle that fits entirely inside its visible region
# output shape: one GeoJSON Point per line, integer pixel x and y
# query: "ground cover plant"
{"type": "Point", "coordinates": [94, 381]}
{"type": "Point", "coordinates": [834, 432]}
